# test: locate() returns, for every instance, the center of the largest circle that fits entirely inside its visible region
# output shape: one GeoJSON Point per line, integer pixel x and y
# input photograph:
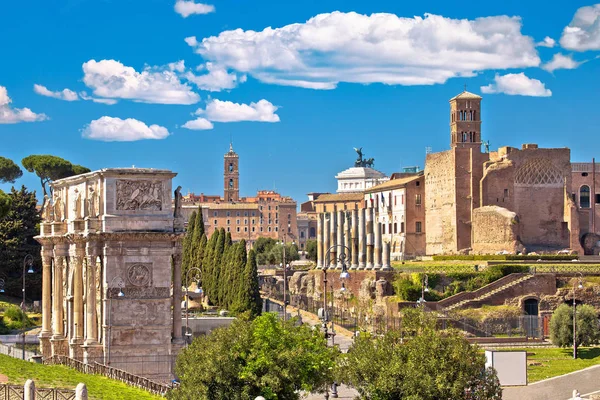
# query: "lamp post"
{"type": "Point", "coordinates": [424, 289]}
{"type": "Point", "coordinates": [120, 285]}
{"type": "Point", "coordinates": [187, 298]}
{"type": "Point", "coordinates": [27, 266]}
{"type": "Point", "coordinates": [1, 285]}
{"type": "Point", "coordinates": [580, 286]}
{"type": "Point", "coordinates": [341, 258]}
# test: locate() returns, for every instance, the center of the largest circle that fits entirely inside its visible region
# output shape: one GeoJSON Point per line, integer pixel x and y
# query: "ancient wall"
{"type": "Point", "coordinates": [495, 229]}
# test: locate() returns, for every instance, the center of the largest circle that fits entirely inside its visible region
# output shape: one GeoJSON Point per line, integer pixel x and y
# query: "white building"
{"type": "Point", "coordinates": [358, 179]}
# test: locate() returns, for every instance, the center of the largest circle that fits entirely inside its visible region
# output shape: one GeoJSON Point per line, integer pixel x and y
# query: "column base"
{"type": "Point", "coordinates": [353, 266]}
{"type": "Point", "coordinates": [377, 266]}
{"type": "Point", "coordinates": [45, 346]}
{"type": "Point", "coordinates": [93, 352]}
{"type": "Point", "coordinates": [59, 345]}
{"type": "Point", "coordinates": [386, 268]}
{"type": "Point", "coordinates": [369, 266]}
{"type": "Point", "coordinates": [361, 265]}
{"type": "Point", "coordinates": [75, 349]}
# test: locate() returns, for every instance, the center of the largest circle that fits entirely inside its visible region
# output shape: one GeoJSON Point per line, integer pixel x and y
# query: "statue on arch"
{"type": "Point", "coordinates": [178, 200]}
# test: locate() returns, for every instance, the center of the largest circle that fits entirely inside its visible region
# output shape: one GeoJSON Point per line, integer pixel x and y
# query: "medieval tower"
{"type": "Point", "coordinates": [231, 176]}
{"type": "Point", "coordinates": [465, 121]}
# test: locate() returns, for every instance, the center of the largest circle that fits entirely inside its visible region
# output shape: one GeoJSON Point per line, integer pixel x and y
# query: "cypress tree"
{"type": "Point", "coordinates": [237, 278]}
{"type": "Point", "coordinates": [187, 256]}
{"type": "Point", "coordinates": [250, 292]}
{"type": "Point", "coordinates": [207, 264]}
{"type": "Point", "coordinates": [198, 250]}
{"type": "Point", "coordinates": [217, 258]}
{"type": "Point", "coordinates": [226, 273]}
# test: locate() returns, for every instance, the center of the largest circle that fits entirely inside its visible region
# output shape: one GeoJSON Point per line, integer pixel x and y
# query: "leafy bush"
{"type": "Point", "coordinates": [13, 319]}
{"type": "Point", "coordinates": [507, 257]}
{"type": "Point", "coordinates": [561, 326]}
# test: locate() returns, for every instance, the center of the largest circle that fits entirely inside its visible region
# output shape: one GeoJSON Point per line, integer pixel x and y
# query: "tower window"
{"type": "Point", "coordinates": [418, 227]}
{"type": "Point", "coordinates": [584, 197]}
{"type": "Point", "coordinates": [231, 183]}
{"type": "Point", "coordinates": [418, 199]}
{"type": "Point", "coordinates": [597, 198]}
{"type": "Point", "coordinates": [230, 167]}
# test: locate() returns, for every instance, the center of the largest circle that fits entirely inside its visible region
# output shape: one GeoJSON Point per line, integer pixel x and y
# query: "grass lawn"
{"type": "Point", "coordinates": [45, 376]}
{"type": "Point", "coordinates": [546, 363]}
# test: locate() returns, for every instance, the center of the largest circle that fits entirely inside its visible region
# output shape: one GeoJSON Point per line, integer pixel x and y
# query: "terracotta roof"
{"type": "Point", "coordinates": [466, 95]}
{"type": "Point", "coordinates": [393, 184]}
{"type": "Point", "coordinates": [325, 198]}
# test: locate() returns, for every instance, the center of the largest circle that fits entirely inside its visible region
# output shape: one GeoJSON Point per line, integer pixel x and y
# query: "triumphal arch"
{"type": "Point", "coordinates": [111, 251]}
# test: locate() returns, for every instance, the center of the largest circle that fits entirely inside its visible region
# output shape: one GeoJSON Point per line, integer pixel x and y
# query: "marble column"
{"type": "Point", "coordinates": [333, 240]}
{"type": "Point", "coordinates": [91, 324]}
{"type": "Point", "coordinates": [386, 256]}
{"type": "Point", "coordinates": [369, 221]}
{"type": "Point", "coordinates": [340, 239]}
{"type": "Point", "coordinates": [362, 235]}
{"type": "Point", "coordinates": [75, 350]}
{"type": "Point", "coordinates": [177, 334]}
{"type": "Point", "coordinates": [354, 240]}
{"type": "Point", "coordinates": [320, 240]}
{"type": "Point", "coordinates": [58, 340]}
{"type": "Point", "coordinates": [326, 238]}
{"type": "Point", "coordinates": [46, 333]}
{"type": "Point", "coordinates": [377, 245]}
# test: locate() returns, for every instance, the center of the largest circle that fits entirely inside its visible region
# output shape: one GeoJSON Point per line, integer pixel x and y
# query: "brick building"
{"type": "Point", "coordinates": [268, 214]}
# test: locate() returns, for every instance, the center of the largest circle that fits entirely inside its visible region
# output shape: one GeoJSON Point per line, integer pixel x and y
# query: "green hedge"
{"type": "Point", "coordinates": [507, 257]}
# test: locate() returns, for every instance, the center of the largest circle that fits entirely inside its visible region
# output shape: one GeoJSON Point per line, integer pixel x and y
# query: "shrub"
{"type": "Point", "coordinates": [561, 326]}
{"type": "Point", "coordinates": [507, 257]}
{"type": "Point", "coordinates": [13, 319]}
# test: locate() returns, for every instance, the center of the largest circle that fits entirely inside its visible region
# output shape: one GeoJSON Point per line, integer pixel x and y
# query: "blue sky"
{"type": "Point", "coordinates": [295, 98]}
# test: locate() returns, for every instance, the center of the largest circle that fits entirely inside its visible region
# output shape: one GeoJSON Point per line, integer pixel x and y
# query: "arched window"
{"type": "Point", "coordinates": [474, 115]}
{"type": "Point", "coordinates": [230, 167]}
{"type": "Point", "coordinates": [531, 307]}
{"type": "Point", "coordinates": [231, 183]}
{"type": "Point", "coordinates": [312, 232]}
{"type": "Point", "coordinates": [584, 197]}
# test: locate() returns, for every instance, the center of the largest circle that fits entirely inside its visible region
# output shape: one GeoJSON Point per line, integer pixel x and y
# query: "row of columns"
{"type": "Point", "coordinates": [353, 237]}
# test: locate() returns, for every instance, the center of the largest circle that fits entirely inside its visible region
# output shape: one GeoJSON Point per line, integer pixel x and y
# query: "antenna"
{"type": "Point", "coordinates": [465, 87]}
{"type": "Point", "coordinates": [428, 150]}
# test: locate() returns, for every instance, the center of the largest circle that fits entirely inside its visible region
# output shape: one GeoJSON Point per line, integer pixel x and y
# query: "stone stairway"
{"type": "Point", "coordinates": [489, 290]}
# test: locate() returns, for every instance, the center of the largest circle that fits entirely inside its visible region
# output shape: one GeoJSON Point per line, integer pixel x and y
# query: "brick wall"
{"type": "Point", "coordinates": [495, 229]}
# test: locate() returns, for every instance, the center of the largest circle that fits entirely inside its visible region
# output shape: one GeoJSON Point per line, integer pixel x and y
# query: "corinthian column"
{"type": "Point", "coordinates": [340, 238]}
{"type": "Point", "coordinates": [320, 240]}
{"type": "Point", "coordinates": [377, 246]}
{"type": "Point", "coordinates": [333, 239]}
{"type": "Point", "coordinates": [91, 325]}
{"type": "Point", "coordinates": [46, 332]}
{"type": "Point", "coordinates": [326, 242]}
{"type": "Point", "coordinates": [369, 238]}
{"type": "Point", "coordinates": [354, 240]}
{"type": "Point", "coordinates": [386, 256]}
{"type": "Point", "coordinates": [361, 238]}
{"type": "Point", "coordinates": [75, 350]}
{"type": "Point", "coordinates": [177, 338]}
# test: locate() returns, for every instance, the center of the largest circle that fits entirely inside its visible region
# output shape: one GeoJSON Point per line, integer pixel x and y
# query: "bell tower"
{"type": "Point", "coordinates": [231, 176]}
{"type": "Point", "coordinates": [465, 121]}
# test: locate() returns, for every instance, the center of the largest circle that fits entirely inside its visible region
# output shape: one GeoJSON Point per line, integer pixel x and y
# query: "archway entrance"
{"type": "Point", "coordinates": [531, 307]}
{"type": "Point", "coordinates": [530, 319]}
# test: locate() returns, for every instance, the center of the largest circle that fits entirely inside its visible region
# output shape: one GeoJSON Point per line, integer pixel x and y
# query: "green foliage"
{"type": "Point", "coordinates": [311, 250]}
{"type": "Point", "coordinates": [17, 229]}
{"type": "Point", "coordinates": [561, 326]}
{"type": "Point", "coordinates": [49, 168]}
{"type": "Point", "coordinates": [4, 203]}
{"type": "Point", "coordinates": [265, 357]}
{"type": "Point", "coordinates": [507, 257]}
{"type": "Point", "coordinates": [418, 363]}
{"type": "Point", "coordinates": [15, 318]}
{"type": "Point", "coordinates": [9, 171]}
{"type": "Point", "coordinates": [249, 293]}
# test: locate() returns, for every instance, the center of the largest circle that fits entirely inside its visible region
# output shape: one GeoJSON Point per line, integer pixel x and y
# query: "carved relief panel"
{"type": "Point", "coordinates": [139, 195]}
{"type": "Point", "coordinates": [139, 275]}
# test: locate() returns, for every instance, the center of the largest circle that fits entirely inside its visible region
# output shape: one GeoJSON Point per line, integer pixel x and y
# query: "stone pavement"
{"type": "Point", "coordinates": [587, 381]}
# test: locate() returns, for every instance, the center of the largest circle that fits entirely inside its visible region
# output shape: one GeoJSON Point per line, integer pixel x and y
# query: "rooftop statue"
{"type": "Point", "coordinates": [363, 163]}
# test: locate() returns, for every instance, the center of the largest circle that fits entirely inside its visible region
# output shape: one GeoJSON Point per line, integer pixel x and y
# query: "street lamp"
{"type": "Point", "coordinates": [424, 289]}
{"type": "Point", "coordinates": [120, 284]}
{"type": "Point", "coordinates": [27, 266]}
{"type": "Point", "coordinates": [580, 286]}
{"type": "Point", "coordinates": [187, 298]}
{"type": "Point", "coordinates": [1, 285]}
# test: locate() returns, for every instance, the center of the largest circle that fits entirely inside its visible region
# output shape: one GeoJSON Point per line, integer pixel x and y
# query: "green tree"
{"type": "Point", "coordinates": [17, 229]}
{"type": "Point", "coordinates": [419, 363]}
{"type": "Point", "coordinates": [263, 247]}
{"type": "Point", "coordinates": [265, 357]}
{"type": "Point", "coordinates": [249, 293]}
{"type": "Point", "coordinates": [311, 250]}
{"type": "Point", "coordinates": [188, 247]}
{"type": "Point", "coordinates": [198, 248]}
{"type": "Point", "coordinates": [9, 173]}
{"type": "Point", "coordinates": [561, 326]}
{"type": "Point", "coordinates": [207, 265]}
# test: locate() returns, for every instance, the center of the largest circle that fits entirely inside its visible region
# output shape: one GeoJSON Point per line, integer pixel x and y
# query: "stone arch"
{"type": "Point", "coordinates": [538, 172]}
{"type": "Point", "coordinates": [531, 305]}
{"type": "Point", "coordinates": [584, 196]}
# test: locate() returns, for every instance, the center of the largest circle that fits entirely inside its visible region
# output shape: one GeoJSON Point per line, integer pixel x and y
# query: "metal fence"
{"type": "Point", "coordinates": [17, 392]}
{"type": "Point", "coordinates": [15, 352]}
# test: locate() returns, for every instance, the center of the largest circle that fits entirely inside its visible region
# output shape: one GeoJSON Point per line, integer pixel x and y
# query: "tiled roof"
{"type": "Point", "coordinates": [466, 95]}
{"type": "Point", "coordinates": [393, 184]}
{"type": "Point", "coordinates": [325, 198]}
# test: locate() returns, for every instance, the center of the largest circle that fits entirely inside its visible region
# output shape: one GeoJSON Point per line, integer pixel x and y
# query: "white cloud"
{"type": "Point", "coordinates": [227, 111]}
{"type": "Point", "coordinates": [216, 79]}
{"type": "Point", "coordinates": [65, 94]}
{"type": "Point", "coordinates": [583, 33]}
{"type": "Point", "coordinates": [85, 96]}
{"type": "Point", "coordinates": [113, 80]}
{"type": "Point", "coordinates": [178, 66]}
{"type": "Point", "coordinates": [350, 47]}
{"type": "Point", "coordinates": [199, 124]}
{"type": "Point", "coordinates": [560, 61]}
{"type": "Point", "coordinates": [187, 8]}
{"type": "Point", "coordinates": [10, 115]}
{"type": "Point", "coordinates": [547, 42]}
{"type": "Point", "coordinates": [110, 129]}
{"type": "Point", "coordinates": [517, 84]}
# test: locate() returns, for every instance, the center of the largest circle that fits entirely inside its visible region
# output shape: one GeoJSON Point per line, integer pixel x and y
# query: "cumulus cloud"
{"type": "Point", "coordinates": [187, 8]}
{"type": "Point", "coordinates": [217, 78]}
{"type": "Point", "coordinates": [517, 84]}
{"type": "Point", "coordinates": [583, 33]}
{"type": "Point", "coordinates": [547, 42]}
{"type": "Point", "coordinates": [111, 79]}
{"type": "Point", "coordinates": [10, 115]}
{"type": "Point", "coordinates": [199, 124]}
{"type": "Point", "coordinates": [85, 96]}
{"type": "Point", "coordinates": [109, 129]}
{"type": "Point", "coordinates": [560, 61]}
{"type": "Point", "coordinates": [227, 111]}
{"type": "Point", "coordinates": [350, 47]}
{"type": "Point", "coordinates": [65, 94]}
